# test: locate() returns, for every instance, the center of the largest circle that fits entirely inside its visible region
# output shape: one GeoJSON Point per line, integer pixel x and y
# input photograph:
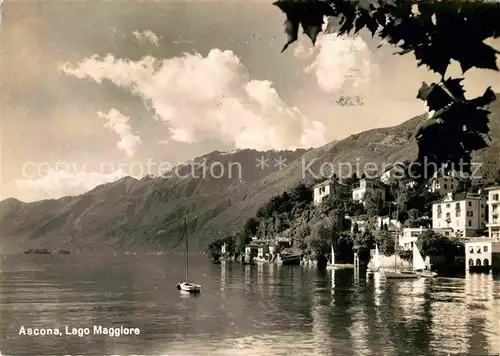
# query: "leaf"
{"type": "Point", "coordinates": [291, 30]}
{"type": "Point", "coordinates": [424, 91]}
{"type": "Point", "coordinates": [365, 20]}
{"type": "Point", "coordinates": [487, 98]}
{"type": "Point", "coordinates": [455, 87]}
{"type": "Point", "coordinates": [435, 97]}
{"type": "Point", "coordinates": [478, 55]}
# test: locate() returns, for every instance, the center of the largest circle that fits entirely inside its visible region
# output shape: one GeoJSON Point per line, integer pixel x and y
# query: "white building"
{"type": "Point", "coordinates": [482, 254]}
{"type": "Point", "coordinates": [385, 222]}
{"type": "Point", "coordinates": [493, 211]}
{"type": "Point", "coordinates": [463, 212]}
{"type": "Point", "coordinates": [363, 187]}
{"type": "Point", "coordinates": [395, 171]}
{"type": "Point", "coordinates": [359, 222]}
{"type": "Point", "coordinates": [443, 183]}
{"type": "Point", "coordinates": [327, 187]}
{"type": "Point", "coordinates": [409, 236]}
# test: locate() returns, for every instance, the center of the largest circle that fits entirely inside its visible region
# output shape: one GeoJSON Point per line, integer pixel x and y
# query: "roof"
{"type": "Point", "coordinates": [259, 245]}
{"type": "Point", "coordinates": [493, 187]}
{"type": "Point", "coordinates": [458, 197]}
{"type": "Point", "coordinates": [327, 182]}
{"type": "Point", "coordinates": [482, 239]}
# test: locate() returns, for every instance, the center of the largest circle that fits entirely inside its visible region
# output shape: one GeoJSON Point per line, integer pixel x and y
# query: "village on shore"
{"type": "Point", "coordinates": [453, 219]}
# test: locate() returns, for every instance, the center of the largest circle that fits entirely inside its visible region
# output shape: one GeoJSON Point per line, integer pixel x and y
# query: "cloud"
{"type": "Point", "coordinates": [55, 184]}
{"type": "Point", "coordinates": [182, 41]}
{"type": "Point", "coordinates": [146, 36]}
{"type": "Point", "coordinates": [206, 98]}
{"type": "Point", "coordinates": [119, 124]}
{"type": "Point", "coordinates": [342, 63]}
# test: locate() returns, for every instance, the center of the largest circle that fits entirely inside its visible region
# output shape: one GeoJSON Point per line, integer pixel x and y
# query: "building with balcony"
{"type": "Point", "coordinates": [463, 213]}
{"type": "Point", "coordinates": [365, 186]}
{"type": "Point", "coordinates": [482, 254]}
{"type": "Point", "coordinates": [328, 187]}
{"type": "Point", "coordinates": [409, 235]}
{"type": "Point", "coordinates": [443, 182]}
{"type": "Point", "coordinates": [493, 211]}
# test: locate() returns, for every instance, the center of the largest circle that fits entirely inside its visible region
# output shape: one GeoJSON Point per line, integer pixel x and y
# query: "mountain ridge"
{"type": "Point", "coordinates": [146, 213]}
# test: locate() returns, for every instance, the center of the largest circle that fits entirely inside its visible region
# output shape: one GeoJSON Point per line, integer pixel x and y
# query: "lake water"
{"type": "Point", "coordinates": [242, 310]}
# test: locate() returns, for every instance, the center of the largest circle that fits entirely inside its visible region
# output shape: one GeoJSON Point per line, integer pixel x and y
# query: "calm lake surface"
{"type": "Point", "coordinates": [242, 310]}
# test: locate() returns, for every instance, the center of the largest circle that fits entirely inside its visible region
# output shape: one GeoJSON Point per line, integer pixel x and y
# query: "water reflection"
{"type": "Point", "coordinates": [271, 273]}
{"type": "Point", "coordinates": [223, 268]}
{"type": "Point", "coordinates": [248, 276]}
{"type": "Point", "coordinates": [359, 329]}
{"type": "Point", "coordinates": [481, 291]}
{"type": "Point", "coordinates": [450, 316]}
{"type": "Point", "coordinates": [377, 292]}
{"type": "Point", "coordinates": [260, 277]}
{"type": "Point", "coordinates": [283, 310]}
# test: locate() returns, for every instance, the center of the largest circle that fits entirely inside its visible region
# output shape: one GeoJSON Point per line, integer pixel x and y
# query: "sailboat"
{"type": "Point", "coordinates": [399, 273]}
{"type": "Point", "coordinates": [186, 286]}
{"type": "Point", "coordinates": [333, 265]}
{"type": "Point", "coordinates": [420, 266]}
{"type": "Point", "coordinates": [376, 263]}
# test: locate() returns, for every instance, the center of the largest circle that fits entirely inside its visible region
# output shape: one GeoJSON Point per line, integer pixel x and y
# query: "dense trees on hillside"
{"type": "Point", "coordinates": [436, 32]}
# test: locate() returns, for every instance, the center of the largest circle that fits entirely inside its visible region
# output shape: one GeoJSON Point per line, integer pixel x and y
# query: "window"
{"type": "Point", "coordinates": [446, 186]}
{"type": "Point", "coordinates": [471, 262]}
{"type": "Point", "coordinates": [471, 250]}
{"type": "Point", "coordinates": [495, 197]}
{"type": "Point", "coordinates": [470, 203]}
{"type": "Point", "coordinates": [447, 205]}
{"type": "Point", "coordinates": [447, 215]}
{"type": "Point", "coordinates": [470, 214]}
{"type": "Point", "coordinates": [470, 223]}
{"type": "Point", "coordinates": [457, 213]}
{"type": "Point", "coordinates": [486, 262]}
{"type": "Point", "coordinates": [485, 248]}
{"type": "Point", "coordinates": [478, 262]}
{"type": "Point", "coordinates": [457, 206]}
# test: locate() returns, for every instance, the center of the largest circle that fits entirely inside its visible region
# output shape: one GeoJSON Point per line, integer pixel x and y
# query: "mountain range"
{"type": "Point", "coordinates": [216, 193]}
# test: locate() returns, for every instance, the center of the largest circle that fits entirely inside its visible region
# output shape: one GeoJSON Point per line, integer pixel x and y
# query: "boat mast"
{"type": "Point", "coordinates": [187, 253]}
{"type": "Point", "coordinates": [397, 231]}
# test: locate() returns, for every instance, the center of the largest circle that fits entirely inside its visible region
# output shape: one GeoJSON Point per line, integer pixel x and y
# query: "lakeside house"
{"type": "Point", "coordinates": [365, 186]}
{"type": "Point", "coordinates": [443, 182]}
{"type": "Point", "coordinates": [387, 223]}
{"type": "Point", "coordinates": [328, 187]}
{"type": "Point", "coordinates": [464, 213]}
{"type": "Point", "coordinates": [493, 224]}
{"type": "Point", "coordinates": [409, 236]}
{"type": "Point", "coordinates": [260, 249]}
{"type": "Point", "coordinates": [482, 254]}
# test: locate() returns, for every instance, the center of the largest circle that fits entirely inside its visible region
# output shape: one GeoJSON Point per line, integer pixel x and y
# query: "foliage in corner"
{"type": "Point", "coordinates": [436, 32]}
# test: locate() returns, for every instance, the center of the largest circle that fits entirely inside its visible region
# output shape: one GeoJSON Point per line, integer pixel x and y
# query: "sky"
{"type": "Point", "coordinates": [96, 90]}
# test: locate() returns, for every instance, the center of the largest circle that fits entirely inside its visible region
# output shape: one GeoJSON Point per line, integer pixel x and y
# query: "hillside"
{"type": "Point", "coordinates": [146, 213]}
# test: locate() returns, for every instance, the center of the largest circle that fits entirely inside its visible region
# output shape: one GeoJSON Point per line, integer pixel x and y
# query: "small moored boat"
{"type": "Point", "coordinates": [333, 265]}
{"type": "Point", "coordinates": [186, 286]}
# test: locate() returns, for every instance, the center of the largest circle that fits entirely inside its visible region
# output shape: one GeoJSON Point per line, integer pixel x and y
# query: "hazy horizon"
{"type": "Point", "coordinates": [87, 83]}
